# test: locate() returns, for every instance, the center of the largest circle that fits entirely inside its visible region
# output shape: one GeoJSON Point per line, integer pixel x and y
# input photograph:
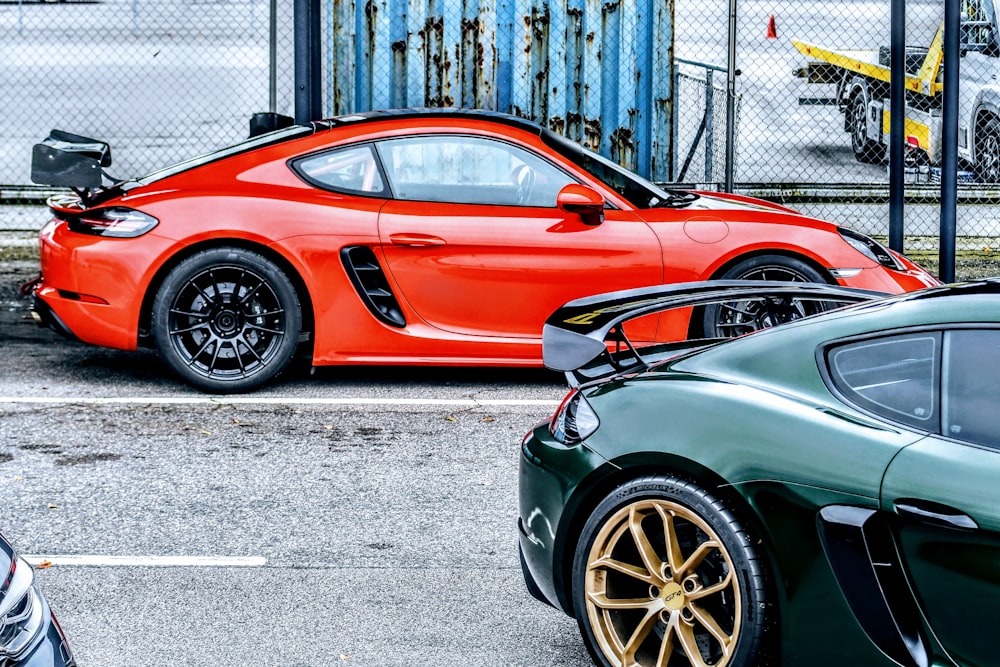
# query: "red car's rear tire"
{"type": "Point", "coordinates": [227, 320]}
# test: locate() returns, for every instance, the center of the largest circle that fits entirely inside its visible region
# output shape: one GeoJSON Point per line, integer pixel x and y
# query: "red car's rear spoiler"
{"type": "Point", "coordinates": [69, 160]}
{"type": "Point", "coordinates": [576, 337]}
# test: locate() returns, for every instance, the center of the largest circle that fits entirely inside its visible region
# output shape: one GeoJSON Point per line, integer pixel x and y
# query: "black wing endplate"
{"type": "Point", "coordinates": [69, 160]}
{"type": "Point", "coordinates": [578, 334]}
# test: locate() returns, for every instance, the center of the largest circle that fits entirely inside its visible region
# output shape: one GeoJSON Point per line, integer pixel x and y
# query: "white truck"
{"type": "Point", "coordinates": [862, 77]}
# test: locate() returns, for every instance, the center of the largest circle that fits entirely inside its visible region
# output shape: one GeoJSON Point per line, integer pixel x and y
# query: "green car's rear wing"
{"type": "Point", "coordinates": [585, 338]}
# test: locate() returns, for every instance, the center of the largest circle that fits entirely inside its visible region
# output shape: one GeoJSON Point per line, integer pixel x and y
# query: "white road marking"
{"type": "Point", "coordinates": [145, 561]}
{"type": "Point", "coordinates": [264, 400]}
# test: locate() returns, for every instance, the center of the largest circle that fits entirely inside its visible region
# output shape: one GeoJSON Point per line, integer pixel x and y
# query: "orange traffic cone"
{"type": "Point", "coordinates": [772, 30]}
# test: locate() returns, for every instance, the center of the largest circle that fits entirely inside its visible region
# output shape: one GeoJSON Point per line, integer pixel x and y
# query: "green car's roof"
{"type": "Point", "coordinates": [785, 356]}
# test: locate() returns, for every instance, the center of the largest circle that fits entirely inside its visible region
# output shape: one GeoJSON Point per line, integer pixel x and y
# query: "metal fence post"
{"type": "Point", "coordinates": [272, 47]}
{"type": "Point", "coordinates": [709, 123]}
{"type": "Point", "coordinates": [897, 110]}
{"type": "Point", "coordinates": [949, 131]}
{"type": "Point", "coordinates": [731, 101]}
{"type": "Point", "coordinates": [675, 124]}
{"type": "Point", "coordinates": [644, 93]}
{"type": "Point", "coordinates": [308, 81]}
{"type": "Point", "coordinates": [610, 74]}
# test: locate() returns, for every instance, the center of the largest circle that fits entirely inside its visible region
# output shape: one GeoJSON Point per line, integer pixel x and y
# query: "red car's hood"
{"type": "Point", "coordinates": [724, 201]}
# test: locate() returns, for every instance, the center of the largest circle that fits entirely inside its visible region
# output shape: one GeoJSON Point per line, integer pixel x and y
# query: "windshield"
{"type": "Point", "coordinates": [637, 190]}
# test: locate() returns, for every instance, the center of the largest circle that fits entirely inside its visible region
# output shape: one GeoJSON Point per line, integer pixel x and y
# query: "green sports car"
{"type": "Point", "coordinates": [824, 492]}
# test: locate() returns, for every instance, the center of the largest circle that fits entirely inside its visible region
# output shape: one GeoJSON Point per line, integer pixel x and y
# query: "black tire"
{"type": "Point", "coordinates": [227, 320]}
{"type": "Point", "coordinates": [728, 320]}
{"type": "Point", "coordinates": [630, 607]}
{"type": "Point", "coordinates": [988, 152]}
{"type": "Point", "coordinates": [865, 149]}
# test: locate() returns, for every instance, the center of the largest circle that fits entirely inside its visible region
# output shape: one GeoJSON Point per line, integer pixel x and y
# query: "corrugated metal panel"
{"type": "Point", "coordinates": [598, 71]}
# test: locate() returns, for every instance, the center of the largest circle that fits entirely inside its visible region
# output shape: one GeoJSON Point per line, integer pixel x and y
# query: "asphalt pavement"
{"type": "Point", "coordinates": [342, 517]}
{"type": "Point", "coordinates": [347, 517]}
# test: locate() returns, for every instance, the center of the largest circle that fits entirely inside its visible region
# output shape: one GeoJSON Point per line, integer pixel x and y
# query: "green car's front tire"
{"type": "Point", "coordinates": [665, 574]}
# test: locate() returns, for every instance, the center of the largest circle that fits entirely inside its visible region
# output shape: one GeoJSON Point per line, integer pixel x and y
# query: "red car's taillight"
{"type": "Point", "coordinates": [117, 222]}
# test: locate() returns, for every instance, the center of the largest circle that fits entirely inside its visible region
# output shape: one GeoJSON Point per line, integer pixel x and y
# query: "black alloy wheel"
{"type": "Point", "coordinates": [665, 575]}
{"type": "Point", "coordinates": [227, 320]}
{"type": "Point", "coordinates": [865, 150]}
{"type": "Point", "coordinates": [988, 152]}
{"type": "Point", "coordinates": [735, 318]}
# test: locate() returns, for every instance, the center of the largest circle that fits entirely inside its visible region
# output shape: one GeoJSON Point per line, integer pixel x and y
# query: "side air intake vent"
{"type": "Point", "coordinates": [370, 281]}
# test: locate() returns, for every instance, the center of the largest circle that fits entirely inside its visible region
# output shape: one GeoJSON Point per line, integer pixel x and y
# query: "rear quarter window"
{"type": "Point", "coordinates": [895, 377]}
{"type": "Point", "coordinates": [351, 169]}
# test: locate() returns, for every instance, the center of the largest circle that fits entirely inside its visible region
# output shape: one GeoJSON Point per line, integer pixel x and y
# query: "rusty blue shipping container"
{"type": "Point", "coordinates": [598, 71]}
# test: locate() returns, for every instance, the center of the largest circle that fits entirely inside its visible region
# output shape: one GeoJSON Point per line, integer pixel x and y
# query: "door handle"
{"type": "Point", "coordinates": [934, 513]}
{"type": "Point", "coordinates": [415, 239]}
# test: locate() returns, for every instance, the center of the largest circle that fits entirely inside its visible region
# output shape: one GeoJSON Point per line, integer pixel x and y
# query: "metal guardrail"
{"type": "Point", "coordinates": [874, 193]}
{"type": "Point", "coordinates": [706, 127]}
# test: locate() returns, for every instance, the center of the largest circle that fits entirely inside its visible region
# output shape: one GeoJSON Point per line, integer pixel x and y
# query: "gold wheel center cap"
{"type": "Point", "coordinates": [673, 596]}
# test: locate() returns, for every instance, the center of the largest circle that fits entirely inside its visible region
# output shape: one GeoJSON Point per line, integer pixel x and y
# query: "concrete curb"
{"type": "Point", "coordinates": [27, 194]}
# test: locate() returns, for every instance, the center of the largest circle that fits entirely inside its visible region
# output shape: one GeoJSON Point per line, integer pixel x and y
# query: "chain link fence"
{"type": "Point", "coordinates": [165, 80]}
{"type": "Point", "coordinates": [160, 81]}
{"type": "Point", "coordinates": [814, 123]}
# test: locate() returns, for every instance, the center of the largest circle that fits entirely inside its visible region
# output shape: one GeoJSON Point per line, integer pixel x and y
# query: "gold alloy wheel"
{"type": "Point", "coordinates": [660, 589]}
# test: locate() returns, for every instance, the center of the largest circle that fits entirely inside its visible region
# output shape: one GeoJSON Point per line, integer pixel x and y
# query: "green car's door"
{"type": "Point", "coordinates": [945, 493]}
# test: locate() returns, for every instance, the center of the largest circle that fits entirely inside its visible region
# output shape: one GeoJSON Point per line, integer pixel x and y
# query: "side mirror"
{"type": "Point", "coordinates": [585, 201]}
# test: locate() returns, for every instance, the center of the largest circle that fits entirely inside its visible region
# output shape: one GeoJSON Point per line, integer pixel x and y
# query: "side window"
{"type": "Point", "coordinates": [469, 170]}
{"type": "Point", "coordinates": [351, 169]}
{"type": "Point", "coordinates": [895, 377]}
{"type": "Point", "coordinates": [970, 372]}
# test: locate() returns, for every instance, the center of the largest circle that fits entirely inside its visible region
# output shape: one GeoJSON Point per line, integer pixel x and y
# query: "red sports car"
{"type": "Point", "coordinates": [437, 237]}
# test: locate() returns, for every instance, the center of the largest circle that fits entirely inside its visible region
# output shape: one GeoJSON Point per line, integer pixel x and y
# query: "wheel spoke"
{"type": "Point", "coordinates": [239, 282]}
{"type": "Point", "coordinates": [642, 631]}
{"type": "Point", "coordinates": [609, 563]}
{"type": "Point", "coordinates": [209, 301]}
{"type": "Point", "coordinates": [674, 556]}
{"type": "Point", "coordinates": [204, 346]}
{"type": "Point", "coordinates": [646, 551]}
{"type": "Point", "coordinates": [239, 357]}
{"type": "Point", "coordinates": [667, 643]}
{"type": "Point", "coordinates": [215, 282]}
{"type": "Point", "coordinates": [187, 313]}
{"type": "Point", "coordinates": [685, 633]}
{"type": "Point", "coordinates": [248, 346]}
{"type": "Point", "coordinates": [250, 293]}
{"type": "Point", "coordinates": [267, 313]}
{"type": "Point", "coordinates": [193, 327]}
{"type": "Point", "coordinates": [709, 623]}
{"type": "Point", "coordinates": [602, 601]}
{"type": "Point", "coordinates": [713, 589]}
{"type": "Point", "coordinates": [276, 332]}
{"type": "Point", "coordinates": [730, 306]}
{"type": "Point", "coordinates": [695, 559]}
{"type": "Point", "coordinates": [215, 358]}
